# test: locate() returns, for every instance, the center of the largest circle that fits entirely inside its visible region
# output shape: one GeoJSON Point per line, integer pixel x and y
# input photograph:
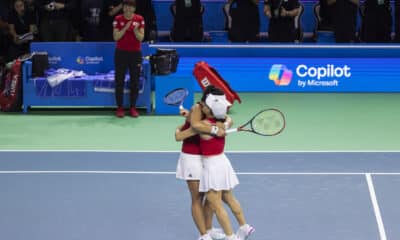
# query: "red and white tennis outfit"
{"type": "Point", "coordinates": [190, 164]}
{"type": "Point", "coordinates": [218, 173]}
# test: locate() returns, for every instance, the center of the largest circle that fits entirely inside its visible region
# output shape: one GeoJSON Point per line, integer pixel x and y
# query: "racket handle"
{"type": "Point", "coordinates": [231, 130]}
{"type": "Point", "coordinates": [180, 107]}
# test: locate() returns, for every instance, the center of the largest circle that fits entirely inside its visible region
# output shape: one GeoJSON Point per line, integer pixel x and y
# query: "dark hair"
{"type": "Point", "coordinates": [129, 2]}
{"type": "Point", "coordinates": [211, 89]}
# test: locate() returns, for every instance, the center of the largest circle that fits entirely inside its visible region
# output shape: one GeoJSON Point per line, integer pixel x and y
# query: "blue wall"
{"type": "Point", "coordinates": [295, 68]}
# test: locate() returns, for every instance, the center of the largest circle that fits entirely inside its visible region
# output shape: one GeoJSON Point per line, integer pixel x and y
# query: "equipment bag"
{"type": "Point", "coordinates": [11, 89]}
{"type": "Point", "coordinates": [164, 61]}
{"type": "Point", "coordinates": [207, 75]}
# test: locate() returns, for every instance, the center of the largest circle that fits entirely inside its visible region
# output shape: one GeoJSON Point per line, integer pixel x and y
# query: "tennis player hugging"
{"type": "Point", "coordinates": [206, 169]}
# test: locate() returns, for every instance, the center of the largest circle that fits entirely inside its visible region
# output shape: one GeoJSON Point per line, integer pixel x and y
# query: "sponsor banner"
{"type": "Point", "coordinates": [308, 74]}
{"type": "Point", "coordinates": [89, 57]}
{"type": "Point", "coordinates": [335, 75]}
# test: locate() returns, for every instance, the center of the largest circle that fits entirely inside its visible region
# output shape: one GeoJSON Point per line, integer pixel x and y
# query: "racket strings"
{"type": "Point", "coordinates": [269, 122]}
{"type": "Point", "coordinates": [175, 97]}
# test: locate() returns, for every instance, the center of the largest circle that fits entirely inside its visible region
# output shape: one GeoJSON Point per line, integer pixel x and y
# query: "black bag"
{"type": "Point", "coordinates": [164, 61]}
{"type": "Point", "coordinates": [40, 62]}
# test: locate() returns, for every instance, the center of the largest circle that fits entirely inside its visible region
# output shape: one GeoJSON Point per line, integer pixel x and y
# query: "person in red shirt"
{"type": "Point", "coordinates": [128, 32]}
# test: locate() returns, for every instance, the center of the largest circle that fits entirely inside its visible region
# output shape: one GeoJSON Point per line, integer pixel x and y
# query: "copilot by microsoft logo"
{"type": "Point", "coordinates": [280, 74]}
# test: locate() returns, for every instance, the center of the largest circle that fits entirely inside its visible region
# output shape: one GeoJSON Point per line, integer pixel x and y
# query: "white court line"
{"type": "Point", "coordinates": [175, 151]}
{"type": "Point", "coordinates": [375, 205]}
{"type": "Point", "coordinates": [173, 173]}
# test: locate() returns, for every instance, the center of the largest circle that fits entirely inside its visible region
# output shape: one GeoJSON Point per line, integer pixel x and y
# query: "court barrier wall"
{"type": "Point", "coordinates": [295, 68]}
{"type": "Point", "coordinates": [96, 89]}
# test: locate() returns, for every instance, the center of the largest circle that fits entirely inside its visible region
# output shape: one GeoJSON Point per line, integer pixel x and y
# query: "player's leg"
{"type": "Point", "coordinates": [234, 205]}
{"type": "Point", "coordinates": [197, 207]}
{"type": "Point", "coordinates": [215, 200]}
{"type": "Point", "coordinates": [215, 233]}
{"type": "Point", "coordinates": [245, 230]}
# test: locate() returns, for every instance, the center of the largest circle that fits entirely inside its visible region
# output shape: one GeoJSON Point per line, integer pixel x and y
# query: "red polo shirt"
{"type": "Point", "coordinates": [128, 42]}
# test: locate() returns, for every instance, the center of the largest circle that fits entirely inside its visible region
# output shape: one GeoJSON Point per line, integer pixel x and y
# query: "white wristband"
{"type": "Point", "coordinates": [214, 130]}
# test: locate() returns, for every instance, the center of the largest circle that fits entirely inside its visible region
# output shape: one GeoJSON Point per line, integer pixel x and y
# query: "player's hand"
{"type": "Point", "coordinates": [184, 112]}
{"type": "Point", "coordinates": [221, 132]}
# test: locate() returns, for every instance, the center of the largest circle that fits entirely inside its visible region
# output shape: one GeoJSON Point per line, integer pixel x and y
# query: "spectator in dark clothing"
{"type": "Point", "coordinates": [32, 9]}
{"type": "Point", "coordinates": [281, 16]}
{"type": "Point", "coordinates": [55, 20]}
{"type": "Point", "coordinates": [21, 24]}
{"type": "Point", "coordinates": [188, 21]}
{"type": "Point", "coordinates": [245, 21]}
{"type": "Point", "coordinates": [5, 37]}
{"type": "Point", "coordinates": [377, 21]}
{"type": "Point", "coordinates": [345, 19]}
{"type": "Point", "coordinates": [397, 20]}
{"type": "Point", "coordinates": [111, 8]}
{"type": "Point", "coordinates": [326, 13]}
{"type": "Point", "coordinates": [89, 25]}
{"type": "Point", "coordinates": [145, 8]}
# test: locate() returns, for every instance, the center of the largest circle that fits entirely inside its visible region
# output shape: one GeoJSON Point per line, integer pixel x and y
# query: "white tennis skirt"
{"type": "Point", "coordinates": [218, 174]}
{"type": "Point", "coordinates": [189, 167]}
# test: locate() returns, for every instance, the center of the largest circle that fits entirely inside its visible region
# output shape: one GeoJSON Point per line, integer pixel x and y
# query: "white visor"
{"type": "Point", "coordinates": [218, 105]}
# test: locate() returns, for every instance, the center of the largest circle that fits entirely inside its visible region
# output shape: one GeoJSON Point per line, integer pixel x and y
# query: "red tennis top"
{"type": "Point", "coordinates": [212, 146]}
{"type": "Point", "coordinates": [128, 41]}
{"type": "Point", "coordinates": [191, 145]}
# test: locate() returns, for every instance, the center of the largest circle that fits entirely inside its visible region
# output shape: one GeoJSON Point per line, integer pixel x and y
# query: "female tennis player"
{"type": "Point", "coordinates": [216, 97]}
{"type": "Point", "coordinates": [190, 168]}
{"type": "Point", "coordinates": [218, 178]}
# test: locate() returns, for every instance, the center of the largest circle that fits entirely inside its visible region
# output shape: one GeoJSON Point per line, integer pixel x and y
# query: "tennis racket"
{"type": "Point", "coordinates": [268, 122]}
{"type": "Point", "coordinates": [176, 97]}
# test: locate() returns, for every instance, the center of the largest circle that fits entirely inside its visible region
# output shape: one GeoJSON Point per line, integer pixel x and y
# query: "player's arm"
{"type": "Point", "coordinates": [182, 135]}
{"type": "Point", "coordinates": [198, 125]}
{"type": "Point", "coordinates": [205, 136]}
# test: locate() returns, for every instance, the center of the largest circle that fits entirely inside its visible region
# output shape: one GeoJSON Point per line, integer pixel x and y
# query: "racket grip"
{"type": "Point", "coordinates": [231, 130]}
{"type": "Point", "coordinates": [180, 107]}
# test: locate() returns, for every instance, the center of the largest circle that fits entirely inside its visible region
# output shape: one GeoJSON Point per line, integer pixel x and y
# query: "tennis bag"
{"type": "Point", "coordinates": [11, 89]}
{"type": "Point", "coordinates": [164, 61]}
{"type": "Point", "coordinates": [207, 75]}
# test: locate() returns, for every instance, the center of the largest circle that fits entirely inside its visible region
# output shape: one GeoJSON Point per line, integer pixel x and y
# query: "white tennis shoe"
{"type": "Point", "coordinates": [244, 232]}
{"type": "Point", "coordinates": [205, 237]}
{"type": "Point", "coordinates": [216, 233]}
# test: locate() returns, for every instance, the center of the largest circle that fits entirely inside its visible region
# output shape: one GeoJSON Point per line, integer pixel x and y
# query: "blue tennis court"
{"type": "Point", "coordinates": [87, 195]}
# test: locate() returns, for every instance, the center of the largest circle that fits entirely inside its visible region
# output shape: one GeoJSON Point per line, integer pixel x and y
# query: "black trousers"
{"type": "Point", "coordinates": [132, 61]}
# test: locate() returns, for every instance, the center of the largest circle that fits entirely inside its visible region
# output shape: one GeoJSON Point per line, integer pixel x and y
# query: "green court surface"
{"type": "Point", "coordinates": [315, 122]}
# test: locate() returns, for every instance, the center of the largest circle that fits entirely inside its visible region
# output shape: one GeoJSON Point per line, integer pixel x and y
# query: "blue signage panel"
{"type": "Point", "coordinates": [307, 74]}
{"type": "Point", "coordinates": [92, 57]}
{"type": "Point", "coordinates": [335, 75]}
